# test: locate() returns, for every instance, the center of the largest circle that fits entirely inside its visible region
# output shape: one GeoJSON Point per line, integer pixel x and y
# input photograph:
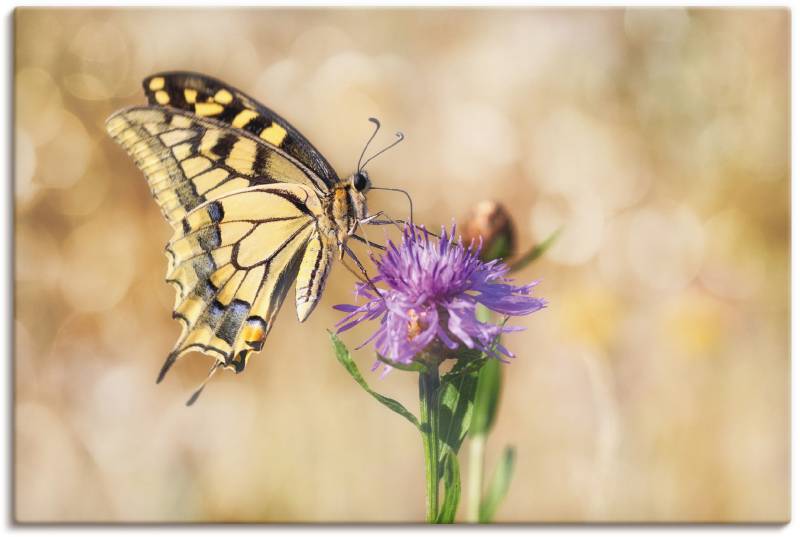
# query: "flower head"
{"type": "Point", "coordinates": [431, 290]}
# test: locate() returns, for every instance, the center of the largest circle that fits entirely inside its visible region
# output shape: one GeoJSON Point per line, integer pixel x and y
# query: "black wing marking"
{"type": "Point", "coordinates": [207, 96]}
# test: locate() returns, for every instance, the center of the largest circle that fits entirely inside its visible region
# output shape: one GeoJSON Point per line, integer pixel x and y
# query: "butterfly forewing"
{"type": "Point", "coordinates": [208, 97]}
{"type": "Point", "coordinates": [246, 219]}
{"type": "Point", "coordinates": [188, 160]}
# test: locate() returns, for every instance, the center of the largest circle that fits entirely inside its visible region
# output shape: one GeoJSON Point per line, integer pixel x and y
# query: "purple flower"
{"type": "Point", "coordinates": [431, 290]}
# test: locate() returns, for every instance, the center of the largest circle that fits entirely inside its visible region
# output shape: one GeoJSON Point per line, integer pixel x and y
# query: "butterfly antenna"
{"type": "Point", "coordinates": [408, 196]}
{"type": "Point", "coordinates": [199, 389]}
{"type": "Point", "coordinates": [400, 138]}
{"type": "Point", "coordinates": [377, 128]}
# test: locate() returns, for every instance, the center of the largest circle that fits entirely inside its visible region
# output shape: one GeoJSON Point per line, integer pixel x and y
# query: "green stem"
{"type": "Point", "coordinates": [477, 450]}
{"type": "Point", "coordinates": [429, 418]}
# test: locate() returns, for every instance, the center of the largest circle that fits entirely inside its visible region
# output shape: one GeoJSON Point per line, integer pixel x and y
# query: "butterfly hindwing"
{"type": "Point", "coordinates": [233, 261]}
{"type": "Point", "coordinates": [208, 97]}
{"type": "Point", "coordinates": [312, 275]}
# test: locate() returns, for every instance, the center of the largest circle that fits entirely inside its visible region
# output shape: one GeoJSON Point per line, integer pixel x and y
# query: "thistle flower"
{"type": "Point", "coordinates": [430, 291]}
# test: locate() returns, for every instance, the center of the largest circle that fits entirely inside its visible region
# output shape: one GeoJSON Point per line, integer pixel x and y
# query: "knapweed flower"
{"type": "Point", "coordinates": [429, 289]}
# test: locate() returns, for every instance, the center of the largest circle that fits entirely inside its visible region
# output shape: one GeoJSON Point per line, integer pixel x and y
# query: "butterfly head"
{"type": "Point", "coordinates": [360, 181]}
{"type": "Point", "coordinates": [349, 199]}
{"type": "Point", "coordinates": [356, 187]}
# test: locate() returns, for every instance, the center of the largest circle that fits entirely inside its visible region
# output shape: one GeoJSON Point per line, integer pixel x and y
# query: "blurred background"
{"type": "Point", "coordinates": [653, 388]}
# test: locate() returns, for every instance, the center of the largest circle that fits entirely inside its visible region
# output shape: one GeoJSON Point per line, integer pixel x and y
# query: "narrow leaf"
{"type": "Point", "coordinates": [534, 253]}
{"type": "Point", "coordinates": [468, 361]}
{"type": "Point", "coordinates": [456, 394]}
{"type": "Point", "coordinates": [343, 355]}
{"type": "Point", "coordinates": [452, 488]}
{"type": "Point", "coordinates": [413, 366]}
{"type": "Point", "coordinates": [498, 487]}
{"type": "Point", "coordinates": [487, 395]}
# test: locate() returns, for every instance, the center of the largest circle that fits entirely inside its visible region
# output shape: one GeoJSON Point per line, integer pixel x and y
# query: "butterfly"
{"type": "Point", "coordinates": [253, 205]}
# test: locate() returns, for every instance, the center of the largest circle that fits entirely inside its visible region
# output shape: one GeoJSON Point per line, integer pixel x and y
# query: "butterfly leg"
{"type": "Point", "coordinates": [359, 224]}
{"type": "Point", "coordinates": [365, 241]}
{"type": "Point", "coordinates": [369, 219]}
{"type": "Point", "coordinates": [368, 281]}
{"type": "Point", "coordinates": [373, 220]}
{"type": "Point", "coordinates": [355, 273]}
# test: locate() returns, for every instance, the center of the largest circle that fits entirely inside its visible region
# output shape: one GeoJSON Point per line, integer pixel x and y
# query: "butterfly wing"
{"type": "Point", "coordinates": [246, 225]}
{"type": "Point", "coordinates": [232, 265]}
{"type": "Point", "coordinates": [313, 274]}
{"type": "Point", "coordinates": [209, 97]}
{"type": "Point", "coordinates": [188, 160]}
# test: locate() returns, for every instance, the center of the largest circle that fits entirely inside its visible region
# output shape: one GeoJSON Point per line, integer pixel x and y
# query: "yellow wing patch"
{"type": "Point", "coordinates": [274, 134]}
{"type": "Point", "coordinates": [243, 118]}
{"type": "Point", "coordinates": [223, 96]}
{"type": "Point", "coordinates": [162, 97]}
{"type": "Point", "coordinates": [156, 83]}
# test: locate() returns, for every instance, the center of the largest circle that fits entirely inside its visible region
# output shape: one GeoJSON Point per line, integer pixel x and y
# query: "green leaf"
{"type": "Point", "coordinates": [452, 488]}
{"type": "Point", "coordinates": [498, 487]}
{"type": "Point", "coordinates": [413, 366]}
{"type": "Point", "coordinates": [468, 361]}
{"type": "Point", "coordinates": [534, 253]}
{"type": "Point", "coordinates": [487, 395]}
{"type": "Point", "coordinates": [461, 391]}
{"type": "Point", "coordinates": [343, 355]}
{"type": "Point", "coordinates": [456, 393]}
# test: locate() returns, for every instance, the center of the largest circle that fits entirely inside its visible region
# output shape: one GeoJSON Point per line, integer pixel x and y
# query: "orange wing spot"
{"type": "Point", "coordinates": [255, 331]}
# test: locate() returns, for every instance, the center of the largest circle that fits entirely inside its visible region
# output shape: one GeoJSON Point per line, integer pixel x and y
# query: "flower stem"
{"type": "Point", "coordinates": [429, 418]}
{"type": "Point", "coordinates": [477, 450]}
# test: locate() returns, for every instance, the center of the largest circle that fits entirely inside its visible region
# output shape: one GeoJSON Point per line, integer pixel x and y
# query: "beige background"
{"type": "Point", "coordinates": [655, 386]}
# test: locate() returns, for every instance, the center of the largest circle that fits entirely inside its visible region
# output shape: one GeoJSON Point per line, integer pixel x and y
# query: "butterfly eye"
{"type": "Point", "coordinates": [360, 181]}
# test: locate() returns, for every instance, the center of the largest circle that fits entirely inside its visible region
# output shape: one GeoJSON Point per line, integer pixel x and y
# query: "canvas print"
{"type": "Point", "coordinates": [394, 265]}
